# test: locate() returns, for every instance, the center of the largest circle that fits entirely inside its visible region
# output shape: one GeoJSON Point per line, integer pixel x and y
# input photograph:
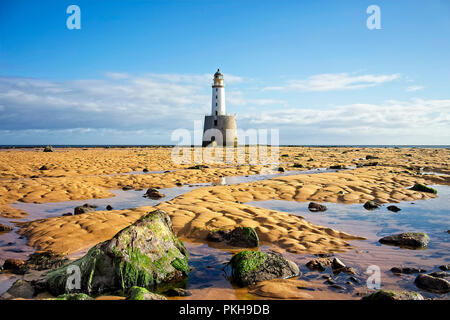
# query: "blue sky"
{"type": "Point", "coordinates": [137, 70]}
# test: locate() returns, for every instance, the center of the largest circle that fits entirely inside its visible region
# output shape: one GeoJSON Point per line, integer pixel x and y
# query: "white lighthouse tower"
{"type": "Point", "coordinates": [218, 95]}
{"type": "Point", "coordinates": [219, 128]}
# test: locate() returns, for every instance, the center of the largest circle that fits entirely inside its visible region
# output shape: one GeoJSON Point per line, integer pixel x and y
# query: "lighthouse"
{"type": "Point", "coordinates": [219, 128]}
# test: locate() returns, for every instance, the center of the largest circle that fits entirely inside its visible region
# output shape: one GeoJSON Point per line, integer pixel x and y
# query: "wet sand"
{"type": "Point", "coordinates": [76, 174]}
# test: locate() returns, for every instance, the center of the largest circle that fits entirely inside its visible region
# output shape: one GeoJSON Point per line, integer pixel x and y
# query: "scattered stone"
{"type": "Point", "coordinates": [371, 205]}
{"type": "Point", "coordinates": [407, 240]}
{"type": "Point", "coordinates": [393, 208]}
{"type": "Point", "coordinates": [250, 267]}
{"type": "Point", "coordinates": [297, 165]}
{"type": "Point", "coordinates": [67, 214]}
{"type": "Point", "coordinates": [145, 254]}
{"type": "Point", "coordinates": [127, 187]}
{"type": "Point", "coordinates": [423, 188]}
{"type": "Point", "coordinates": [337, 264]}
{"type": "Point", "coordinates": [16, 266]}
{"type": "Point", "coordinates": [145, 170]}
{"type": "Point", "coordinates": [369, 157]}
{"type": "Point", "coordinates": [45, 260]}
{"type": "Point", "coordinates": [179, 184]}
{"type": "Point", "coordinates": [338, 166]}
{"type": "Point", "coordinates": [433, 284]}
{"type": "Point", "coordinates": [139, 293]}
{"type": "Point", "coordinates": [178, 292]}
{"type": "Point", "coordinates": [316, 207]}
{"type": "Point", "coordinates": [44, 167]}
{"type": "Point", "coordinates": [445, 267]}
{"type": "Point", "coordinates": [281, 169]}
{"type": "Point", "coordinates": [319, 264]}
{"type": "Point", "coordinates": [48, 149]}
{"type": "Point", "coordinates": [385, 295]}
{"type": "Point", "coordinates": [5, 228]}
{"type": "Point", "coordinates": [84, 209]}
{"type": "Point", "coordinates": [73, 296]}
{"type": "Point", "coordinates": [243, 237]}
{"type": "Point", "coordinates": [407, 270]}
{"type": "Point", "coordinates": [21, 289]}
{"type": "Point", "coordinates": [154, 194]}
{"type": "Point", "coordinates": [198, 166]}
{"type": "Point", "coordinates": [440, 274]}
{"type": "Point", "coordinates": [109, 207]}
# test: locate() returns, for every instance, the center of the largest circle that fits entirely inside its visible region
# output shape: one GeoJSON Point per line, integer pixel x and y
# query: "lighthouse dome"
{"type": "Point", "coordinates": [218, 73]}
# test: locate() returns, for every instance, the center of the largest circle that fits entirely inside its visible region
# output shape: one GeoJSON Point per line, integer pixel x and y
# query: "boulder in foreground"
{"type": "Point", "coordinates": [387, 295]}
{"type": "Point", "coordinates": [146, 254]}
{"type": "Point", "coordinates": [48, 149]}
{"type": "Point", "coordinates": [407, 240]}
{"type": "Point", "coordinates": [139, 293]}
{"type": "Point", "coordinates": [250, 267]}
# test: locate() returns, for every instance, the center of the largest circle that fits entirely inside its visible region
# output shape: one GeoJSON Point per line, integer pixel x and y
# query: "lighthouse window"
{"type": "Point", "coordinates": [216, 89]}
{"type": "Point", "coordinates": [216, 104]}
{"type": "Point", "coordinates": [216, 97]}
{"type": "Point", "coordinates": [215, 122]}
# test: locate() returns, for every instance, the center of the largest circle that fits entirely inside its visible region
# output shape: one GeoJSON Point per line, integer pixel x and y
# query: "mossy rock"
{"type": "Point", "coordinates": [242, 237]}
{"type": "Point", "coordinates": [250, 267]}
{"type": "Point", "coordinates": [73, 296]}
{"type": "Point", "coordinates": [423, 188]}
{"type": "Point", "coordinates": [139, 293]}
{"type": "Point", "coordinates": [387, 295]}
{"type": "Point", "coordinates": [146, 254]}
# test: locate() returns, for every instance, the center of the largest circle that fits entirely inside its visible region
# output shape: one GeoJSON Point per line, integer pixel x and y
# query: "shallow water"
{"type": "Point", "coordinates": [208, 280]}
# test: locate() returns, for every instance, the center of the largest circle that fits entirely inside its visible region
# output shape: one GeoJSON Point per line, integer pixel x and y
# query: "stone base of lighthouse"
{"type": "Point", "coordinates": [220, 131]}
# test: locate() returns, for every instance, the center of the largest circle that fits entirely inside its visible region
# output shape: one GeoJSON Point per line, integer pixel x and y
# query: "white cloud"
{"type": "Point", "coordinates": [414, 88]}
{"type": "Point", "coordinates": [335, 81]}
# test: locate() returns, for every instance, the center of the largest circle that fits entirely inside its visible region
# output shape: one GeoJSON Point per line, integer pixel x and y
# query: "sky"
{"type": "Point", "coordinates": [138, 70]}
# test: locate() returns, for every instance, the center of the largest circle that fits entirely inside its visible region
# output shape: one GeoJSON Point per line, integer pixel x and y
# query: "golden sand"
{"type": "Point", "coordinates": [76, 174]}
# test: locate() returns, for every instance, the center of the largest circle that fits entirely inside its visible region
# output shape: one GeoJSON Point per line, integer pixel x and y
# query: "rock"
{"type": "Point", "coordinates": [45, 260]}
{"type": "Point", "coordinates": [440, 274]}
{"type": "Point", "coordinates": [319, 264]}
{"type": "Point", "coordinates": [139, 293]}
{"type": "Point", "coordinates": [281, 169]}
{"type": "Point", "coordinates": [407, 270]}
{"type": "Point", "coordinates": [83, 209]}
{"type": "Point", "coordinates": [5, 228]}
{"type": "Point", "coordinates": [48, 149]}
{"type": "Point", "coordinates": [179, 184]}
{"type": "Point", "coordinates": [338, 166]}
{"type": "Point", "coordinates": [198, 166]}
{"type": "Point", "coordinates": [16, 266]}
{"type": "Point", "coordinates": [178, 292]}
{"type": "Point", "coordinates": [369, 157]}
{"type": "Point", "coordinates": [243, 237]}
{"type": "Point", "coordinates": [315, 207]}
{"type": "Point", "coordinates": [73, 296]}
{"type": "Point", "coordinates": [145, 170]}
{"type": "Point", "coordinates": [44, 167]}
{"type": "Point", "coordinates": [371, 205]}
{"type": "Point", "coordinates": [445, 267]}
{"type": "Point", "coordinates": [154, 194]}
{"type": "Point", "coordinates": [108, 207]}
{"type": "Point", "coordinates": [297, 165]}
{"type": "Point", "coordinates": [21, 289]}
{"type": "Point", "coordinates": [407, 240]}
{"type": "Point", "coordinates": [423, 188]}
{"type": "Point", "coordinates": [433, 284]}
{"type": "Point", "coordinates": [67, 214]}
{"type": "Point", "coordinates": [385, 295]}
{"type": "Point", "coordinates": [250, 267]}
{"type": "Point", "coordinates": [337, 264]}
{"type": "Point", "coordinates": [127, 187]}
{"type": "Point", "coordinates": [393, 208]}
{"type": "Point", "coordinates": [146, 254]}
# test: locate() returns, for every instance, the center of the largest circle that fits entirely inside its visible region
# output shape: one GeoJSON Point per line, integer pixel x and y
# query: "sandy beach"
{"type": "Point", "coordinates": [92, 173]}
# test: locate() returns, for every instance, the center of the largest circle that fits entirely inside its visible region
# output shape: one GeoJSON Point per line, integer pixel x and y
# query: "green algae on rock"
{"type": "Point", "coordinates": [423, 188]}
{"type": "Point", "coordinates": [250, 267]}
{"type": "Point", "coordinates": [73, 296]}
{"type": "Point", "coordinates": [146, 254]}
{"type": "Point", "coordinates": [139, 293]}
